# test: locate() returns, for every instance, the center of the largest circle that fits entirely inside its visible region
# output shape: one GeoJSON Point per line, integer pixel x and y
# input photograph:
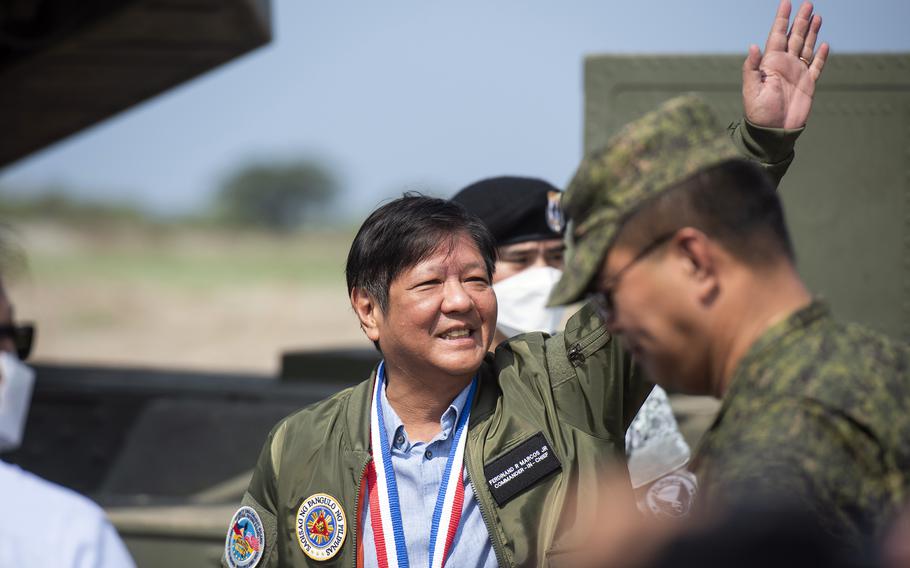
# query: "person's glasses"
{"type": "Point", "coordinates": [602, 299]}
{"type": "Point", "coordinates": [22, 336]}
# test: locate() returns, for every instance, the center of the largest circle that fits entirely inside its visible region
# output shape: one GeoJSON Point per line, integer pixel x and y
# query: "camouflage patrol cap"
{"type": "Point", "coordinates": [646, 157]}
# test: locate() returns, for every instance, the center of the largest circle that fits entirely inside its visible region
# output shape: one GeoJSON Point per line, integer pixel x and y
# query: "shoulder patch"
{"type": "Point", "coordinates": [672, 495]}
{"type": "Point", "coordinates": [245, 540]}
{"type": "Point", "coordinates": [321, 526]}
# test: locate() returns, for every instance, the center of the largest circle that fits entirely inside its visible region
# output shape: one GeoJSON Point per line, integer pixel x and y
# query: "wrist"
{"type": "Point", "coordinates": [770, 144]}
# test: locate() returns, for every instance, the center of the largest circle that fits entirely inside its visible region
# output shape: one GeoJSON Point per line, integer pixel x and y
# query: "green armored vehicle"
{"type": "Point", "coordinates": [846, 194]}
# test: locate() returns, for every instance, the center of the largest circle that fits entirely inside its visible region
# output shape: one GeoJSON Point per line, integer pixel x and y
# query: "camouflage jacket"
{"type": "Point", "coordinates": [815, 417]}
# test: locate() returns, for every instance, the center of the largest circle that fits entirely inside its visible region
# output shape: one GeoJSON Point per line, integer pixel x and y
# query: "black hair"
{"type": "Point", "coordinates": [404, 232]}
{"type": "Point", "coordinates": [734, 202]}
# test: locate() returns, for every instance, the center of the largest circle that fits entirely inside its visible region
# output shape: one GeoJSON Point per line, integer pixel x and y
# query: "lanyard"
{"type": "Point", "coordinates": [388, 529]}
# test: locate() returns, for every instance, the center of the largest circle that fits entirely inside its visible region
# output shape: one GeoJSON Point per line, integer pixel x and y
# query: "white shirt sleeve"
{"type": "Point", "coordinates": [56, 527]}
{"type": "Point", "coordinates": [654, 444]}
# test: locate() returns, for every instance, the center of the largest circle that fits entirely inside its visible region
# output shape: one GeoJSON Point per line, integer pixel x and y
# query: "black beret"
{"type": "Point", "coordinates": [515, 209]}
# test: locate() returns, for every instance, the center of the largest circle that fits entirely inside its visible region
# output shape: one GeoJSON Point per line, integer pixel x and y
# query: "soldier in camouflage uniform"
{"type": "Point", "coordinates": [684, 248]}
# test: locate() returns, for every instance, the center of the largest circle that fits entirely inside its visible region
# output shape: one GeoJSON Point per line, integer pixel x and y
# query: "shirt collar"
{"type": "Point", "coordinates": [447, 421]}
{"type": "Point", "coordinates": [780, 332]}
{"type": "Point", "coordinates": [775, 337]}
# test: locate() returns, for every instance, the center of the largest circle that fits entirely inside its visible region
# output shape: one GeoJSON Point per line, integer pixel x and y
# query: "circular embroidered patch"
{"type": "Point", "coordinates": [672, 495]}
{"type": "Point", "coordinates": [321, 526]}
{"type": "Point", "coordinates": [245, 541]}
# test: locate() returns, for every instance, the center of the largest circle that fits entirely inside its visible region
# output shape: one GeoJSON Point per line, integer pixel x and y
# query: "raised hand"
{"type": "Point", "coordinates": [778, 85]}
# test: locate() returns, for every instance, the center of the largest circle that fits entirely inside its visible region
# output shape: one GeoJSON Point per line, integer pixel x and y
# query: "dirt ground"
{"type": "Point", "coordinates": [198, 300]}
{"type": "Point", "coordinates": [188, 299]}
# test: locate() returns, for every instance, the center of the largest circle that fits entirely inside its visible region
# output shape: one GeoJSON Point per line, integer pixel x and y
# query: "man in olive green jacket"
{"type": "Point", "coordinates": [532, 386]}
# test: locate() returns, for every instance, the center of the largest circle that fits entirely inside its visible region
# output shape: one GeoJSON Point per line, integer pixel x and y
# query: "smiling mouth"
{"type": "Point", "coordinates": [457, 334]}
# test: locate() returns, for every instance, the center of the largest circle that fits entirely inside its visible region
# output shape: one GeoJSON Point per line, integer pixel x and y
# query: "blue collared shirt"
{"type": "Point", "coordinates": [418, 473]}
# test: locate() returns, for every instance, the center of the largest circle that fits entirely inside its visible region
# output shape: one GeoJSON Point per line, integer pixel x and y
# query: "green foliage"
{"type": "Point", "coordinates": [56, 205]}
{"type": "Point", "coordinates": [278, 196]}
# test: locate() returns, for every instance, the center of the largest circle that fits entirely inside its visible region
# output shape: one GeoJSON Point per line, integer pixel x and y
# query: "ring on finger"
{"type": "Point", "coordinates": [806, 61]}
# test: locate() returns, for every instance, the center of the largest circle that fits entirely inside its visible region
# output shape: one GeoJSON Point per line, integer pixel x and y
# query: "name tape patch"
{"type": "Point", "coordinates": [520, 468]}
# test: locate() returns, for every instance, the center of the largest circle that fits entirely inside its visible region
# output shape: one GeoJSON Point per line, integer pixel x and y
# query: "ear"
{"type": "Point", "coordinates": [367, 311]}
{"type": "Point", "coordinates": [700, 260]}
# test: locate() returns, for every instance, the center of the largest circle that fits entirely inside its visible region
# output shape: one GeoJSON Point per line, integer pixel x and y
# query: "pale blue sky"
{"type": "Point", "coordinates": [409, 94]}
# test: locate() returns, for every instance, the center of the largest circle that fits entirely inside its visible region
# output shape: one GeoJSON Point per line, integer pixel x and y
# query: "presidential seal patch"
{"type": "Point", "coordinates": [245, 541]}
{"type": "Point", "coordinates": [321, 526]}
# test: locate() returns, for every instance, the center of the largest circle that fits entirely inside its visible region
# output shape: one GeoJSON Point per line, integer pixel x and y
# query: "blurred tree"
{"type": "Point", "coordinates": [275, 195]}
{"type": "Point", "coordinates": [63, 204]}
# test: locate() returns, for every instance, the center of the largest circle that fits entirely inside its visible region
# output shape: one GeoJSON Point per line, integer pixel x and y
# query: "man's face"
{"type": "Point", "coordinates": [653, 309]}
{"type": "Point", "coordinates": [441, 314]}
{"type": "Point", "coordinates": [521, 256]}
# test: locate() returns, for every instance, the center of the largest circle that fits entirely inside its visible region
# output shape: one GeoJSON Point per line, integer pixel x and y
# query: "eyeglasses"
{"type": "Point", "coordinates": [22, 336]}
{"type": "Point", "coordinates": [602, 299]}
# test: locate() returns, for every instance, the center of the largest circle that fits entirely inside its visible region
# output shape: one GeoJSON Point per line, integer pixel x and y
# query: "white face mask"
{"type": "Point", "coordinates": [522, 302]}
{"type": "Point", "coordinates": [16, 382]}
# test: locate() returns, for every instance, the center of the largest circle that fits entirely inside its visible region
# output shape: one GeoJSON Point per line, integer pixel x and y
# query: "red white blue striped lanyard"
{"type": "Point", "coordinates": [385, 511]}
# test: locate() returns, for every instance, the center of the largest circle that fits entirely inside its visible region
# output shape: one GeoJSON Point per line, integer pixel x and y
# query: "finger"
{"type": "Point", "coordinates": [777, 38]}
{"type": "Point", "coordinates": [799, 30]}
{"type": "Point", "coordinates": [753, 60]}
{"type": "Point", "coordinates": [815, 70]}
{"type": "Point", "coordinates": [752, 73]}
{"type": "Point", "coordinates": [809, 46]}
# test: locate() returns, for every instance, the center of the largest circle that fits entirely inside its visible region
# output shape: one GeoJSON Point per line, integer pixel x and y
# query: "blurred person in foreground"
{"type": "Point", "coordinates": [525, 217]}
{"type": "Point", "coordinates": [745, 535]}
{"type": "Point", "coordinates": [58, 527]}
{"type": "Point", "coordinates": [448, 453]}
{"type": "Point", "coordinates": [683, 247]}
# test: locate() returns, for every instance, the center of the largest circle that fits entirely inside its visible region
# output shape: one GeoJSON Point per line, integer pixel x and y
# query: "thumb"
{"type": "Point", "coordinates": [751, 71]}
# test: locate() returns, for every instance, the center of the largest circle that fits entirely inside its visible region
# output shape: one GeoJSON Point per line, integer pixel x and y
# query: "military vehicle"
{"type": "Point", "coordinates": [847, 194]}
{"type": "Point", "coordinates": [168, 453]}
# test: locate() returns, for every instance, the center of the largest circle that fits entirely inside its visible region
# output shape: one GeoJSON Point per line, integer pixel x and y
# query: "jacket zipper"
{"type": "Point", "coordinates": [498, 547]}
{"type": "Point", "coordinates": [357, 511]}
{"type": "Point", "coordinates": [575, 356]}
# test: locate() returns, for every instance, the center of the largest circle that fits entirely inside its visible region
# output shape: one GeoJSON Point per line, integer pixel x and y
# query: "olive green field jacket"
{"type": "Point", "coordinates": [577, 389]}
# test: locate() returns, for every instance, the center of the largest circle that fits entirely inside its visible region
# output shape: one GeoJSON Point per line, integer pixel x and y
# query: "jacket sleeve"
{"type": "Point", "coordinates": [261, 495]}
{"type": "Point", "coordinates": [770, 147]}
{"type": "Point", "coordinates": [595, 384]}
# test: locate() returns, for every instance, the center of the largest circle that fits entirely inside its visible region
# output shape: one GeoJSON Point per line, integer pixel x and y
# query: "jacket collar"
{"type": "Point", "coordinates": [357, 413]}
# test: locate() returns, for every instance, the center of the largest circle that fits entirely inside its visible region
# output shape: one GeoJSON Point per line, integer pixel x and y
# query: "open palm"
{"type": "Point", "coordinates": [779, 85]}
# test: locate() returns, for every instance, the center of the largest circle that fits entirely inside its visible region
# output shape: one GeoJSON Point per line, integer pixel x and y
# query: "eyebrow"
{"type": "Point", "coordinates": [515, 254]}
{"type": "Point", "coordinates": [519, 252]}
{"type": "Point", "coordinates": [475, 265]}
{"type": "Point", "coordinates": [525, 246]}
{"type": "Point", "coordinates": [435, 269]}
